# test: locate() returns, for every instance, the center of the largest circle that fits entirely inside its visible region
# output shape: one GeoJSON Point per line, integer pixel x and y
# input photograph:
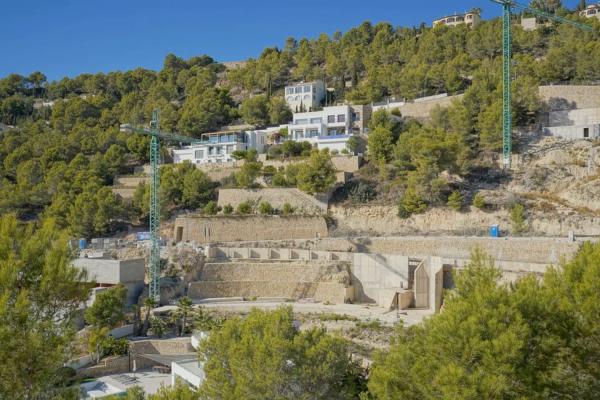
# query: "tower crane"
{"type": "Point", "coordinates": [155, 134]}
{"type": "Point", "coordinates": [507, 7]}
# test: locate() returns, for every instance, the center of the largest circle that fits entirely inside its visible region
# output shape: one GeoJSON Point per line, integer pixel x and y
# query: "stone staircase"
{"type": "Point", "coordinates": [321, 281]}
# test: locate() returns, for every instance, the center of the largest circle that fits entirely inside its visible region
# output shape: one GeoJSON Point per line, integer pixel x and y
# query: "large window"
{"type": "Point", "coordinates": [313, 132]}
{"type": "Point", "coordinates": [289, 90]}
{"type": "Point", "coordinates": [341, 118]}
{"type": "Point", "coordinates": [301, 121]}
{"type": "Point", "coordinates": [199, 154]}
{"type": "Point", "coordinates": [586, 132]}
{"type": "Point", "coordinates": [316, 120]}
{"type": "Point", "coordinates": [307, 89]}
{"type": "Point", "coordinates": [355, 116]}
{"type": "Point", "coordinates": [211, 151]}
{"type": "Point", "coordinates": [299, 89]}
{"type": "Point", "coordinates": [331, 119]}
{"type": "Point", "coordinates": [219, 150]}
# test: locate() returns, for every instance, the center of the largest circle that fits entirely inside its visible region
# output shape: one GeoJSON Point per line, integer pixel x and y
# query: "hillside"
{"type": "Point", "coordinates": [65, 147]}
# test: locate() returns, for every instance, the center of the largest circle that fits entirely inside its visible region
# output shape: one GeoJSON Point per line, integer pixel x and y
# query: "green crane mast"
{"type": "Point", "coordinates": [507, 6]}
{"type": "Point", "coordinates": [155, 134]}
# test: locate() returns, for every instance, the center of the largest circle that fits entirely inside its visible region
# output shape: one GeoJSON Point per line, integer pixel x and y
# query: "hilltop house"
{"type": "Point", "coordinates": [591, 11]}
{"type": "Point", "coordinates": [471, 18]}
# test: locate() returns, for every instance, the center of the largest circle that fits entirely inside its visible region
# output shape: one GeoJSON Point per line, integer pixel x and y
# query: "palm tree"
{"type": "Point", "coordinates": [184, 309]}
{"type": "Point", "coordinates": [149, 303]}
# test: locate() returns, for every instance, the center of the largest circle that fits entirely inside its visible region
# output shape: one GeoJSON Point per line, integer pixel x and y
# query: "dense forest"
{"type": "Point", "coordinates": [58, 161]}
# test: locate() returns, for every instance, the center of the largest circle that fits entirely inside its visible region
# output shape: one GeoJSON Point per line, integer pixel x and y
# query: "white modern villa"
{"type": "Point", "coordinates": [218, 147]}
{"type": "Point", "coordinates": [329, 128]}
{"type": "Point", "coordinates": [305, 96]}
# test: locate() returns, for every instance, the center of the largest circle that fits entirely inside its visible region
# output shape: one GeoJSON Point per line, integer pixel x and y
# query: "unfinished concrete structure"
{"type": "Point", "coordinates": [232, 228]}
{"type": "Point", "coordinates": [108, 272]}
{"type": "Point", "coordinates": [391, 281]}
{"type": "Point", "coordinates": [582, 123]}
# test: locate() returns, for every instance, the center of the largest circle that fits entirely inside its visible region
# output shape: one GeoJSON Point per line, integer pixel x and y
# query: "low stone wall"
{"type": "Point", "coordinates": [303, 203]}
{"type": "Point", "coordinates": [341, 163]}
{"type": "Point", "coordinates": [164, 347]}
{"type": "Point", "coordinates": [235, 228]}
{"type": "Point", "coordinates": [108, 366]}
{"type": "Point", "coordinates": [422, 109]}
{"type": "Point", "coordinates": [124, 192]}
{"type": "Point", "coordinates": [130, 181]}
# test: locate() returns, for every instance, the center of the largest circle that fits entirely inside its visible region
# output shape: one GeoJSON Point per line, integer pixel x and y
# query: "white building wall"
{"type": "Point", "coordinates": [178, 371]}
{"type": "Point", "coordinates": [307, 95]}
{"type": "Point", "coordinates": [574, 132]}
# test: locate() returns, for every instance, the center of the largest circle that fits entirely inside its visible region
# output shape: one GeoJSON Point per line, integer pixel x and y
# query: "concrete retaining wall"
{"type": "Point", "coordinates": [321, 281]}
{"type": "Point", "coordinates": [567, 97]}
{"type": "Point", "coordinates": [237, 228]}
{"type": "Point", "coordinates": [277, 197]}
{"type": "Point", "coordinates": [373, 274]}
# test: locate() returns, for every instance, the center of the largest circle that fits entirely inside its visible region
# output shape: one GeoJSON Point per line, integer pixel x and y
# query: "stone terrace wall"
{"type": "Point", "coordinates": [291, 279]}
{"type": "Point", "coordinates": [277, 197]}
{"type": "Point", "coordinates": [422, 109]}
{"type": "Point", "coordinates": [567, 97]}
{"type": "Point", "coordinates": [237, 228]}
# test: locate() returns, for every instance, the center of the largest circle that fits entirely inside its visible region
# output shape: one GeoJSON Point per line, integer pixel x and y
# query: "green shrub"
{"type": "Point", "coordinates": [479, 201]}
{"type": "Point", "coordinates": [265, 208]}
{"type": "Point", "coordinates": [455, 200]}
{"type": "Point", "coordinates": [287, 209]}
{"type": "Point", "coordinates": [269, 170]}
{"type": "Point", "coordinates": [517, 218]}
{"type": "Point", "coordinates": [361, 192]}
{"type": "Point", "coordinates": [244, 208]}
{"type": "Point", "coordinates": [227, 209]}
{"type": "Point", "coordinates": [411, 203]}
{"type": "Point", "coordinates": [211, 208]}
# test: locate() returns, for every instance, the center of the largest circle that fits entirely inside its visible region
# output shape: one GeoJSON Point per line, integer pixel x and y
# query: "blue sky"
{"type": "Point", "coordinates": [69, 37]}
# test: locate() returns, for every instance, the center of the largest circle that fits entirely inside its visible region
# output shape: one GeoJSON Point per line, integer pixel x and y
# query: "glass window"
{"type": "Point", "coordinates": [313, 132]}
{"type": "Point", "coordinates": [219, 150]}
{"type": "Point", "coordinates": [290, 90]}
{"type": "Point", "coordinates": [211, 151]}
{"type": "Point", "coordinates": [199, 154]}
{"type": "Point", "coordinates": [301, 121]}
{"type": "Point", "coordinates": [299, 89]}
{"type": "Point", "coordinates": [316, 120]}
{"type": "Point", "coordinates": [341, 118]}
{"type": "Point", "coordinates": [307, 89]}
{"type": "Point", "coordinates": [331, 118]}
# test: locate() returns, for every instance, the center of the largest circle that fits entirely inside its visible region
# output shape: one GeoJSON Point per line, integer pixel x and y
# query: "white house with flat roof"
{"type": "Point", "coordinates": [329, 128]}
{"type": "Point", "coordinates": [305, 96]}
{"type": "Point", "coordinates": [591, 11]}
{"type": "Point", "coordinates": [189, 371]}
{"type": "Point", "coordinates": [218, 147]}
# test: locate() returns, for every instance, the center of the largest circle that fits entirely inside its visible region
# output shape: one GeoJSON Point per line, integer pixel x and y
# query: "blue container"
{"type": "Point", "coordinates": [495, 231]}
{"type": "Point", "coordinates": [82, 244]}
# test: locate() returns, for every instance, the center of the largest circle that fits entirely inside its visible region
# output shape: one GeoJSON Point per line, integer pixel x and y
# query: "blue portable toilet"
{"type": "Point", "coordinates": [82, 244]}
{"type": "Point", "coordinates": [495, 230]}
